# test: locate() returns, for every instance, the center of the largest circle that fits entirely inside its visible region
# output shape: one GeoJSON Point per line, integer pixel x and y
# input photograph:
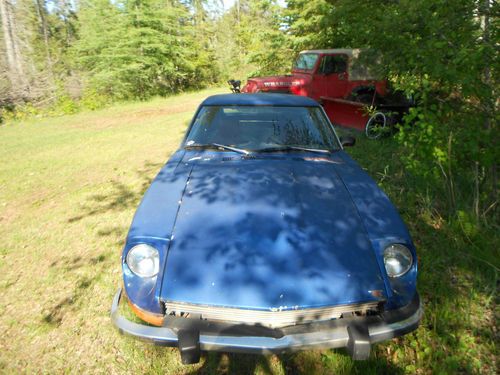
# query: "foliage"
{"type": "Point", "coordinates": [458, 263]}
{"type": "Point", "coordinates": [93, 100]}
{"type": "Point", "coordinates": [135, 49]}
{"type": "Point", "coordinates": [269, 49]}
{"type": "Point", "coordinates": [149, 49]}
{"type": "Point", "coordinates": [442, 53]}
{"type": "Point", "coordinates": [250, 40]}
{"type": "Point", "coordinates": [311, 24]}
{"type": "Point", "coordinates": [119, 49]}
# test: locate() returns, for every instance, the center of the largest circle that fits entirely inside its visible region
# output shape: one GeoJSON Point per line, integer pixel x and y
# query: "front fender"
{"type": "Point", "coordinates": [144, 292]}
{"type": "Point", "coordinates": [383, 225]}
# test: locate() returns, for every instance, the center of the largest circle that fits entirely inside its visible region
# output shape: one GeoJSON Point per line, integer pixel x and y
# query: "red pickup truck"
{"type": "Point", "coordinates": [342, 84]}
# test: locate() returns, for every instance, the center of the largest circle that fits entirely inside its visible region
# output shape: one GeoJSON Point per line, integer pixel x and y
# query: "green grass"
{"type": "Point", "coordinates": [68, 189]}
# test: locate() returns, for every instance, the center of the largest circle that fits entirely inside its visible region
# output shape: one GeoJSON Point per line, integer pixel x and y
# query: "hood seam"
{"type": "Point", "coordinates": [170, 240]}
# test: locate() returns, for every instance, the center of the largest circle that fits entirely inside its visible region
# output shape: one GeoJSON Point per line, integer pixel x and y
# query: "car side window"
{"type": "Point", "coordinates": [333, 64]}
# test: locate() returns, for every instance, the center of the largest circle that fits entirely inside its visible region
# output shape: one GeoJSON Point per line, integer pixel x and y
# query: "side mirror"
{"type": "Point", "coordinates": [347, 141]}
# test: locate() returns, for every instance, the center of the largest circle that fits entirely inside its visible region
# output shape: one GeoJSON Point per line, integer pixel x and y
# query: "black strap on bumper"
{"type": "Point", "coordinates": [189, 346]}
{"type": "Point", "coordinates": [358, 345]}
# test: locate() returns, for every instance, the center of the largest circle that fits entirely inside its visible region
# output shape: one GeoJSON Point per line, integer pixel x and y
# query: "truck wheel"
{"type": "Point", "coordinates": [375, 125]}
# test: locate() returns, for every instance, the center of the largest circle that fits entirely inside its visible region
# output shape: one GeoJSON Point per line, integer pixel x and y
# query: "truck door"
{"type": "Point", "coordinates": [331, 78]}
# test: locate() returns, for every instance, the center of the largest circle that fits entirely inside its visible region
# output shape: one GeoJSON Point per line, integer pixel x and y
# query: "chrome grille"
{"type": "Point", "coordinates": [271, 318]}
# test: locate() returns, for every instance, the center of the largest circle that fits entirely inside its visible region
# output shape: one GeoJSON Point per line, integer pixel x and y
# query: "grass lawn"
{"type": "Point", "coordinates": [68, 189]}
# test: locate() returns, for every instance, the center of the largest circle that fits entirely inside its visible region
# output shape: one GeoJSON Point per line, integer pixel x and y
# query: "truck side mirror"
{"type": "Point", "coordinates": [347, 141]}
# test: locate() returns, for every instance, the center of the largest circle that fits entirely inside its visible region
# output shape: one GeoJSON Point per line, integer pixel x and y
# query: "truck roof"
{"type": "Point", "coordinates": [264, 99]}
{"type": "Point", "coordinates": [345, 51]}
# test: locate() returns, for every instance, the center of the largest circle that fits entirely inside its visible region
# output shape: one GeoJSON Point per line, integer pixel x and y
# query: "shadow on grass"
{"type": "Point", "coordinates": [120, 197]}
{"type": "Point", "coordinates": [65, 264]}
{"type": "Point", "coordinates": [230, 363]}
{"type": "Point", "coordinates": [56, 313]}
{"type": "Point", "coordinates": [77, 262]}
{"type": "Point", "coordinates": [305, 362]}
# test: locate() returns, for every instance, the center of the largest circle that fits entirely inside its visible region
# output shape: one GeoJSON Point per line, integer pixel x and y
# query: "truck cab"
{"type": "Point", "coordinates": [322, 75]}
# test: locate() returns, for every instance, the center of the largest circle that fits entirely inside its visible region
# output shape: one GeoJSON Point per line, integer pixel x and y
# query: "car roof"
{"type": "Point", "coordinates": [261, 99]}
{"type": "Point", "coordinates": [344, 51]}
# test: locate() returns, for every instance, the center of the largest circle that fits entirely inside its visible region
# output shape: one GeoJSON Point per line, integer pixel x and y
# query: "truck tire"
{"type": "Point", "coordinates": [375, 125]}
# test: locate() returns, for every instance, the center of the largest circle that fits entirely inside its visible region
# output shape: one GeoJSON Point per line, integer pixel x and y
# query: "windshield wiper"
{"type": "Point", "coordinates": [293, 148]}
{"type": "Point", "coordinates": [217, 145]}
{"type": "Point", "coordinates": [230, 148]}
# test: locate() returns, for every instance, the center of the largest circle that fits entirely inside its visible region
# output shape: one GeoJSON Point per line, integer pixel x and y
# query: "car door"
{"type": "Point", "coordinates": [332, 76]}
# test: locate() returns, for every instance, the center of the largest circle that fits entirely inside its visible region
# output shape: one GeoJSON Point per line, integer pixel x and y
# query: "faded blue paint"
{"type": "Point", "coordinates": [383, 225]}
{"type": "Point", "coordinates": [260, 99]}
{"type": "Point", "coordinates": [267, 233]}
{"type": "Point", "coordinates": [144, 292]}
{"type": "Point", "coordinates": [152, 224]}
{"type": "Point", "coordinates": [282, 230]}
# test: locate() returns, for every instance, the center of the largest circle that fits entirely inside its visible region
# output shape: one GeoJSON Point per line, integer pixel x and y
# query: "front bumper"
{"type": "Point", "coordinates": [356, 334]}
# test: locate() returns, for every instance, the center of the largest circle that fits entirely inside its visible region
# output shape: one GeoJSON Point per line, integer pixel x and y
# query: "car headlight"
{"type": "Point", "coordinates": [144, 260]}
{"type": "Point", "coordinates": [397, 260]}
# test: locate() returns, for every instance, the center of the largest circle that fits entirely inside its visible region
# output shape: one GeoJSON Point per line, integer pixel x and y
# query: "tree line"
{"type": "Point", "coordinates": [130, 49]}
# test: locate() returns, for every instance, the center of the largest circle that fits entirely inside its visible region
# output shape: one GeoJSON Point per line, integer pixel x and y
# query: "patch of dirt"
{"type": "Point", "coordinates": [138, 115]}
{"type": "Point", "coordinates": [164, 111]}
{"type": "Point", "coordinates": [8, 214]}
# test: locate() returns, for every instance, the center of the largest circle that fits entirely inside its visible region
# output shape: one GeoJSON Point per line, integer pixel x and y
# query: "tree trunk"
{"type": "Point", "coordinates": [15, 63]}
{"type": "Point", "coordinates": [45, 31]}
{"type": "Point", "coordinates": [490, 100]}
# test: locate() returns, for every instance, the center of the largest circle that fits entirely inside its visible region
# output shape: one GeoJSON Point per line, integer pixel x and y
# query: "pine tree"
{"type": "Point", "coordinates": [251, 40]}
{"type": "Point", "coordinates": [149, 49]}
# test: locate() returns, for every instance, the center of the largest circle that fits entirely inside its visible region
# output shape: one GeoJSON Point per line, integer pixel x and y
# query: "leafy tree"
{"type": "Point", "coordinates": [442, 53]}
{"type": "Point", "coordinates": [311, 24]}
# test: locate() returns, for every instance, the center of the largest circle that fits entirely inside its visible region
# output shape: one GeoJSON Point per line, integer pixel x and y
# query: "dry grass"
{"type": "Point", "coordinates": [68, 190]}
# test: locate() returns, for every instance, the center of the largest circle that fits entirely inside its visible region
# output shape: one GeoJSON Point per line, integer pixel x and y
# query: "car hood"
{"type": "Point", "coordinates": [267, 233]}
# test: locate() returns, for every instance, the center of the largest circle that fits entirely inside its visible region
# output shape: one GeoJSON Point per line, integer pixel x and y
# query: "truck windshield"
{"type": "Point", "coordinates": [305, 61]}
{"type": "Point", "coordinates": [259, 128]}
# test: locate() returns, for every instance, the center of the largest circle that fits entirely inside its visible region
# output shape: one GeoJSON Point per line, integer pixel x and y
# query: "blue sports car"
{"type": "Point", "coordinates": [261, 235]}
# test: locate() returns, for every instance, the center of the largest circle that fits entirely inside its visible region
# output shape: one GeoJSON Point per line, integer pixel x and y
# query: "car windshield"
{"type": "Point", "coordinates": [262, 128]}
{"type": "Point", "coordinates": [305, 61]}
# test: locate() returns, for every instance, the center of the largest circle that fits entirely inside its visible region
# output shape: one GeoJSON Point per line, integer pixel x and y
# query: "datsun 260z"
{"type": "Point", "coordinates": [261, 235]}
